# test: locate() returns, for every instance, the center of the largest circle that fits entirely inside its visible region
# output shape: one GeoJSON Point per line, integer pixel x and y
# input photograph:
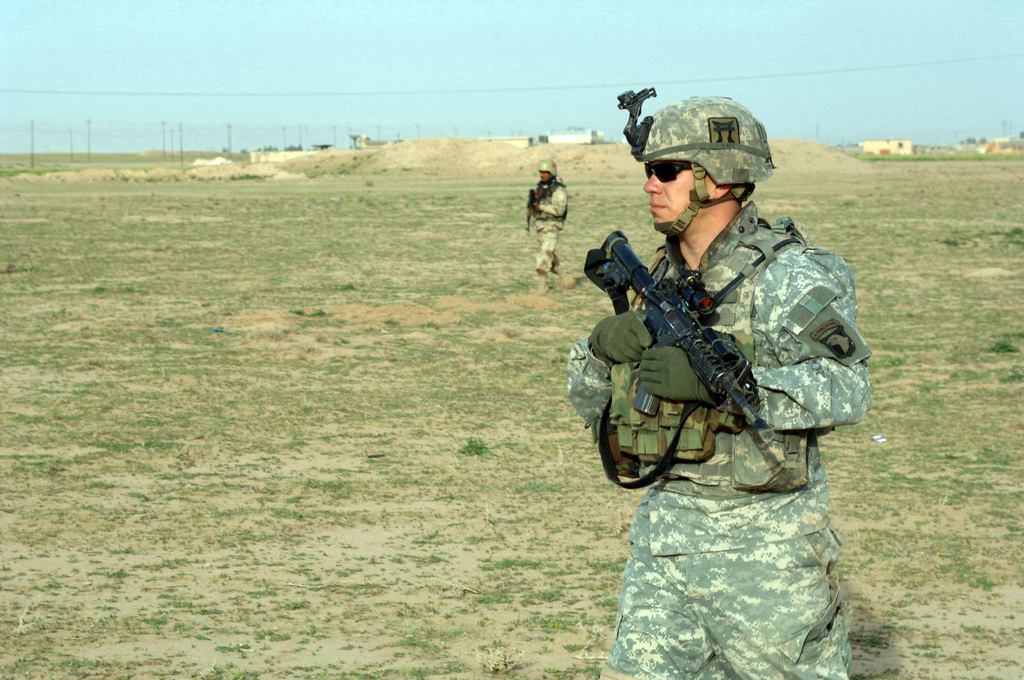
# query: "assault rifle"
{"type": "Point", "coordinates": [674, 312]}
{"type": "Point", "coordinates": [530, 201]}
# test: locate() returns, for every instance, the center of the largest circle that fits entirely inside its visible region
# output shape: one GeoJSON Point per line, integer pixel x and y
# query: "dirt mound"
{"type": "Point", "coordinates": [210, 172]}
{"type": "Point", "coordinates": [793, 156]}
{"type": "Point", "coordinates": [465, 157]}
{"type": "Point", "coordinates": [442, 156]}
{"type": "Point", "coordinates": [328, 161]}
{"type": "Point", "coordinates": [447, 157]}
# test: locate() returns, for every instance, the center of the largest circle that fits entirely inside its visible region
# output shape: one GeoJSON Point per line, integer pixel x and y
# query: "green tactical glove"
{"type": "Point", "coordinates": [666, 372]}
{"type": "Point", "coordinates": [620, 339]}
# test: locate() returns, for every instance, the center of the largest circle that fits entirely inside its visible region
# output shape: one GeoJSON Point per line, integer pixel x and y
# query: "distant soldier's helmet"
{"type": "Point", "coordinates": [546, 165]}
{"type": "Point", "coordinates": [719, 137]}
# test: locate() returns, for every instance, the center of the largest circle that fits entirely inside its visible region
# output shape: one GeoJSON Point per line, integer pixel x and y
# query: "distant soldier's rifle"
{"type": "Point", "coordinates": [673, 313]}
{"type": "Point", "coordinates": [531, 202]}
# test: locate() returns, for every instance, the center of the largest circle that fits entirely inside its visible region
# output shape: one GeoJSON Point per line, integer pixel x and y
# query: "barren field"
{"type": "Point", "coordinates": [308, 420]}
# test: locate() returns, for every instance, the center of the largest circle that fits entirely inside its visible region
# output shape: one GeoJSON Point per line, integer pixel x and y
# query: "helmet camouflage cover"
{"type": "Point", "coordinates": [546, 165]}
{"type": "Point", "coordinates": [715, 133]}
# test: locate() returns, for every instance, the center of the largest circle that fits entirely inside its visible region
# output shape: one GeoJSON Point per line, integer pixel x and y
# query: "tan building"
{"type": "Point", "coordinates": [888, 147]}
{"type": "Point", "coordinates": [1005, 145]}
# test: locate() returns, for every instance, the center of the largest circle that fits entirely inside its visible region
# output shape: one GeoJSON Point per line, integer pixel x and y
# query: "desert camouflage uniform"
{"type": "Point", "coordinates": [548, 221]}
{"type": "Point", "coordinates": [730, 583]}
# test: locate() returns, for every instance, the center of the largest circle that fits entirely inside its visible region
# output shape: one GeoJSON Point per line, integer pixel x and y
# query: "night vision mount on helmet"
{"type": "Point", "coordinates": [635, 134]}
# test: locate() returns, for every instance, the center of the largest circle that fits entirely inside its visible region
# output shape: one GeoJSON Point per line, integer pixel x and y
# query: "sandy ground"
{"type": "Point", "coordinates": [174, 541]}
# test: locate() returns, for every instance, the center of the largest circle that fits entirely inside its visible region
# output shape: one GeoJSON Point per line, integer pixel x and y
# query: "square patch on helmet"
{"type": "Point", "coordinates": [724, 130]}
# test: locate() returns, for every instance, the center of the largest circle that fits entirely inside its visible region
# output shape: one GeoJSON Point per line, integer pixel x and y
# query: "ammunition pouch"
{"type": "Point", "coordinates": [680, 439]}
{"type": "Point", "coordinates": [782, 465]}
{"type": "Point", "coordinates": [629, 440]}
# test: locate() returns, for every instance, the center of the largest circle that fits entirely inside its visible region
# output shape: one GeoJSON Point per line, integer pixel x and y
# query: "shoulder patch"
{"type": "Point", "coordinates": [817, 323]}
{"type": "Point", "coordinates": [833, 335]}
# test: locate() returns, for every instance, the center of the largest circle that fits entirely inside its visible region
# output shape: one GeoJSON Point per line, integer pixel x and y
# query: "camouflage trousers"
{"type": "Point", "coordinates": [771, 611]}
{"type": "Point", "coordinates": [547, 239]}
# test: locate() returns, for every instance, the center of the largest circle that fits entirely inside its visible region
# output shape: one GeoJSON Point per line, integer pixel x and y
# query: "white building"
{"type": "Point", "coordinates": [575, 136]}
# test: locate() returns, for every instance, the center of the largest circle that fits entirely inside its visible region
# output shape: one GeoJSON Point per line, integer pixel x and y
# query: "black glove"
{"type": "Point", "coordinates": [620, 339]}
{"type": "Point", "coordinates": [666, 372]}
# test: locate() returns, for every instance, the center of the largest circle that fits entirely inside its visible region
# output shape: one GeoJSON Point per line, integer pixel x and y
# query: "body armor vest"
{"type": "Point", "coordinates": [711, 446]}
{"type": "Point", "coordinates": [543, 192]}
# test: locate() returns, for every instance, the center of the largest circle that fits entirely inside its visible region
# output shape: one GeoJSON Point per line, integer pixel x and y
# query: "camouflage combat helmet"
{"type": "Point", "coordinates": [715, 133]}
{"type": "Point", "coordinates": [546, 165]}
{"type": "Point", "coordinates": [718, 136]}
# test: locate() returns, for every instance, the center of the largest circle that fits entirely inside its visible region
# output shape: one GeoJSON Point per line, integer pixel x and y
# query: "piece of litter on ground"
{"type": "Point", "coordinates": [879, 438]}
{"type": "Point", "coordinates": [219, 329]}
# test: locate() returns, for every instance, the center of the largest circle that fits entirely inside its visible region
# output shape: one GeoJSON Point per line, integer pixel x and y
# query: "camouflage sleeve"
{"type": "Point", "coordinates": [588, 382]}
{"type": "Point", "coordinates": [812, 360]}
{"type": "Point", "coordinates": [557, 203]}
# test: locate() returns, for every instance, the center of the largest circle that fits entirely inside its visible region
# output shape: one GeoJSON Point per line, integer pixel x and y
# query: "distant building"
{"type": "Point", "coordinates": [887, 147]}
{"type": "Point", "coordinates": [364, 142]}
{"type": "Point", "coordinates": [574, 136]}
{"type": "Point", "coordinates": [1005, 145]}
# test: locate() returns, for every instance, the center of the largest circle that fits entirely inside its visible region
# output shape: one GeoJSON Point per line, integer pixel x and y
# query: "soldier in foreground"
{"type": "Point", "coordinates": [546, 212]}
{"type": "Point", "coordinates": [732, 567]}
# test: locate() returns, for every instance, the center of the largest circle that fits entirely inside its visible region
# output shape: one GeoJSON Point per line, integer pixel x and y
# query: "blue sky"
{"type": "Point", "coordinates": [279, 73]}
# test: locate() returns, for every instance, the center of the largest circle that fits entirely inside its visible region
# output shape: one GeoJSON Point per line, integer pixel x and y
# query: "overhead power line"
{"type": "Point", "coordinates": [372, 93]}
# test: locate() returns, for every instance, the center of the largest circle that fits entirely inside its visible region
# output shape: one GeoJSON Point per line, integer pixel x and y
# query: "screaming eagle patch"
{"type": "Point", "coordinates": [724, 130]}
{"type": "Point", "coordinates": [834, 336]}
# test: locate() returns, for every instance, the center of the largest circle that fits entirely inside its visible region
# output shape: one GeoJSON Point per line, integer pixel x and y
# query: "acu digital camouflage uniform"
{"type": "Point", "coordinates": [731, 572]}
{"type": "Point", "coordinates": [548, 220]}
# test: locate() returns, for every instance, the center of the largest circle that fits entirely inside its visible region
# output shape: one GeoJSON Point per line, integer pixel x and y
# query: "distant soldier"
{"type": "Point", "coordinates": [549, 203]}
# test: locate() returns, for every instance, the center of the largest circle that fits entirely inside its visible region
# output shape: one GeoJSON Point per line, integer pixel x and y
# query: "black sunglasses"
{"type": "Point", "coordinates": [666, 172]}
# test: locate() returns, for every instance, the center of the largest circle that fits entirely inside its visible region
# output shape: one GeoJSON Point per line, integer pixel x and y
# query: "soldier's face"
{"type": "Point", "coordinates": [544, 176]}
{"type": "Point", "coordinates": [669, 199]}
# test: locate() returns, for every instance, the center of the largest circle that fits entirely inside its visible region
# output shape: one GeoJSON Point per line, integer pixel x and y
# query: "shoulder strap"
{"type": "Point", "coordinates": [766, 257]}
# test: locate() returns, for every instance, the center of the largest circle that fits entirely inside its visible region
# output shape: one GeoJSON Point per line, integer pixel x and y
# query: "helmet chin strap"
{"type": "Point", "coordinates": [699, 199]}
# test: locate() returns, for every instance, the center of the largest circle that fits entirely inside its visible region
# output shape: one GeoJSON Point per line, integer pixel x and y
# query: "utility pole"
{"type": "Point", "coordinates": [88, 140]}
{"type": "Point", "coordinates": [163, 135]}
{"type": "Point", "coordinates": [181, 145]}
